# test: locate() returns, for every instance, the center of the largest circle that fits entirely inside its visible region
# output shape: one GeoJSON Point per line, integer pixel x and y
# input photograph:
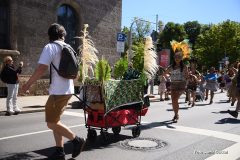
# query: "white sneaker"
{"type": "Point", "coordinates": [17, 110]}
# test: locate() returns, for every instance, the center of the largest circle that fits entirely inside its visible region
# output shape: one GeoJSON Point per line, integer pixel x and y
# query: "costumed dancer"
{"type": "Point", "coordinates": [178, 73]}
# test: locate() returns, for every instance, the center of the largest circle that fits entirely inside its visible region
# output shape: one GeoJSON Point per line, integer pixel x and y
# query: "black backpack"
{"type": "Point", "coordinates": [69, 63]}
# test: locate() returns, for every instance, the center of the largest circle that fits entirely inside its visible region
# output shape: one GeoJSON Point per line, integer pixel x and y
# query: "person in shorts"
{"type": "Point", "coordinates": [60, 91]}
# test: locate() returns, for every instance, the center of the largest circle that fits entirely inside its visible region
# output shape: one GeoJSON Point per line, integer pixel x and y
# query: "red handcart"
{"type": "Point", "coordinates": [114, 104]}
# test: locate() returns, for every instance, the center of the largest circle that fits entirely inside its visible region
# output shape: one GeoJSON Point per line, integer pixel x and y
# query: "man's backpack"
{"type": "Point", "coordinates": [69, 63]}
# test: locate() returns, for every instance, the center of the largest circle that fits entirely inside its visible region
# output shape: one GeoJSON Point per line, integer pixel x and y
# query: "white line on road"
{"type": "Point", "coordinates": [230, 153]}
{"type": "Point", "coordinates": [38, 132]}
{"type": "Point", "coordinates": [210, 133]}
{"type": "Point", "coordinates": [32, 133]}
{"type": "Point", "coordinates": [77, 114]}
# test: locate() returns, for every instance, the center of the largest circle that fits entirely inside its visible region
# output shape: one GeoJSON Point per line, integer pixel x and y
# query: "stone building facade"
{"type": "Point", "coordinates": [24, 25]}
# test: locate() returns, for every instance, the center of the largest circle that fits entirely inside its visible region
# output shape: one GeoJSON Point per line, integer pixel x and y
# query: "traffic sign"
{"type": "Point", "coordinates": [121, 37]}
{"type": "Point", "coordinates": [120, 46]}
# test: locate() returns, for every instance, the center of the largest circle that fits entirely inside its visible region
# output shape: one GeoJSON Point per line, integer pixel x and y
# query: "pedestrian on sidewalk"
{"type": "Point", "coordinates": [211, 84]}
{"type": "Point", "coordinates": [60, 91]}
{"type": "Point", "coordinates": [178, 73]}
{"type": "Point", "coordinates": [9, 75]}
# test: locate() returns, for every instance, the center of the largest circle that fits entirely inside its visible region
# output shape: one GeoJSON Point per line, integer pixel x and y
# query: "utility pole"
{"type": "Point", "coordinates": [155, 44]}
{"type": "Point", "coordinates": [130, 47]}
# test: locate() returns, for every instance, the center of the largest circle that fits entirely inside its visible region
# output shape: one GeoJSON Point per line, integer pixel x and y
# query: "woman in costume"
{"type": "Point", "coordinates": [178, 74]}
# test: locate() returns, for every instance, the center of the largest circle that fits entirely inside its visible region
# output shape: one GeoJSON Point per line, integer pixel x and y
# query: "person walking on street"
{"type": "Point", "coordinates": [60, 91]}
{"type": "Point", "coordinates": [9, 75]}
{"type": "Point", "coordinates": [178, 73]}
{"type": "Point", "coordinates": [162, 86]}
{"type": "Point", "coordinates": [236, 90]}
{"type": "Point", "coordinates": [211, 84]}
{"type": "Point", "coordinates": [191, 88]}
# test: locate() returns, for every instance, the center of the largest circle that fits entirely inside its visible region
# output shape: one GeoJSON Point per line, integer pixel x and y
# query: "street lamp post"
{"type": "Point", "coordinates": [130, 42]}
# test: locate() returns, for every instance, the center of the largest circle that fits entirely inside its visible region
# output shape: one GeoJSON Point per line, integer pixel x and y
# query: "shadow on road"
{"type": "Point", "coordinates": [180, 108]}
{"type": "Point", "coordinates": [228, 120]}
{"type": "Point", "coordinates": [157, 124]}
{"type": "Point", "coordinates": [90, 145]}
{"type": "Point", "coordinates": [222, 101]}
{"type": "Point", "coordinates": [18, 156]}
{"type": "Point", "coordinates": [221, 112]}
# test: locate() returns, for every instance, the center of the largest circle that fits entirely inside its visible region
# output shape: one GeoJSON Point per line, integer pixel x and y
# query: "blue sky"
{"type": "Point", "coordinates": [181, 11]}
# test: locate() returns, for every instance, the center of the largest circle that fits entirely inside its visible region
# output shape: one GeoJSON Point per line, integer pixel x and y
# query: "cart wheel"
{"type": "Point", "coordinates": [116, 130]}
{"type": "Point", "coordinates": [92, 134]}
{"type": "Point", "coordinates": [105, 136]}
{"type": "Point", "coordinates": [136, 131]}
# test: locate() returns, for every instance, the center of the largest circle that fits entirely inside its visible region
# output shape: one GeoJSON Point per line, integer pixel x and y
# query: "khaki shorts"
{"type": "Point", "coordinates": [55, 106]}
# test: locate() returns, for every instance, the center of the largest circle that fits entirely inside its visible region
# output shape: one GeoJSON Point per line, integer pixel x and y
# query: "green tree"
{"type": "Point", "coordinates": [219, 41]}
{"type": "Point", "coordinates": [171, 32]}
{"type": "Point", "coordinates": [192, 29]}
{"type": "Point", "coordinates": [141, 29]}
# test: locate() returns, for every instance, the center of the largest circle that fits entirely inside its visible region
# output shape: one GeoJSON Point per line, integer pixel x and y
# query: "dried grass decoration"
{"type": "Point", "coordinates": [87, 54]}
{"type": "Point", "coordinates": [150, 56]}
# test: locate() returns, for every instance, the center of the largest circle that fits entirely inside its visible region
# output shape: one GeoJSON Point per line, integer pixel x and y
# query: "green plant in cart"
{"type": "Point", "coordinates": [120, 68]}
{"type": "Point", "coordinates": [102, 71]}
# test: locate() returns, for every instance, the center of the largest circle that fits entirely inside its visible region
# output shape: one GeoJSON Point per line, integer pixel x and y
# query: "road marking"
{"type": "Point", "coordinates": [76, 114]}
{"type": "Point", "coordinates": [210, 133]}
{"type": "Point", "coordinates": [32, 133]}
{"type": "Point", "coordinates": [230, 153]}
{"type": "Point", "coordinates": [44, 131]}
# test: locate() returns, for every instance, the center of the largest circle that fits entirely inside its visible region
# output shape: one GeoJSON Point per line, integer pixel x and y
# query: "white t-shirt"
{"type": "Point", "coordinates": [59, 85]}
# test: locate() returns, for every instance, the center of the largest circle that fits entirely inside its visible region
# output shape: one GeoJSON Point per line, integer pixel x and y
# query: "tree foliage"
{"type": "Point", "coordinates": [171, 31]}
{"type": "Point", "coordinates": [219, 41]}
{"type": "Point", "coordinates": [192, 30]}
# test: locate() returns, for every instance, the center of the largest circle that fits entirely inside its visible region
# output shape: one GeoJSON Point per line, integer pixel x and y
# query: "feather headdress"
{"type": "Point", "coordinates": [150, 56]}
{"type": "Point", "coordinates": [87, 54]}
{"type": "Point", "coordinates": [183, 46]}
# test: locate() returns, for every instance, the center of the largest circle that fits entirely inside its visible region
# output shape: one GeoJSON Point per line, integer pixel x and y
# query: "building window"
{"type": "Point", "coordinates": [4, 24]}
{"type": "Point", "coordinates": [67, 17]}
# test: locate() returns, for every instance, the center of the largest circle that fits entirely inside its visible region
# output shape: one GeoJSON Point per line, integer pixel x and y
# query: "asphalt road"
{"type": "Point", "coordinates": [203, 132]}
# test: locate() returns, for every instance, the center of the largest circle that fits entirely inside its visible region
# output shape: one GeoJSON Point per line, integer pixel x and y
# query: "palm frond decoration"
{"type": "Point", "coordinates": [150, 56]}
{"type": "Point", "coordinates": [102, 71]}
{"type": "Point", "coordinates": [88, 54]}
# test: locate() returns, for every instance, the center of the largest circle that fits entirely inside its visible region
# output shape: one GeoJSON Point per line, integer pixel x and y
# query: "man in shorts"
{"type": "Point", "coordinates": [60, 91]}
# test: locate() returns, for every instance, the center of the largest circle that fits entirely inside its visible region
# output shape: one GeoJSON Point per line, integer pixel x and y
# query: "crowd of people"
{"type": "Point", "coordinates": [185, 79]}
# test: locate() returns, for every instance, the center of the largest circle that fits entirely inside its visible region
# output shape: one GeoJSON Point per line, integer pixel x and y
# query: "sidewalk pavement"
{"type": "Point", "coordinates": [29, 104]}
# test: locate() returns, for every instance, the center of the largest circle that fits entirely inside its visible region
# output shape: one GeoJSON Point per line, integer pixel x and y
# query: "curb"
{"type": "Point", "coordinates": [70, 105]}
{"type": "Point", "coordinates": [2, 113]}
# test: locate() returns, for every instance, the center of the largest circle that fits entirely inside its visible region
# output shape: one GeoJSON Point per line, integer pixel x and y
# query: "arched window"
{"type": "Point", "coordinates": [67, 17]}
{"type": "Point", "coordinates": [4, 25]}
